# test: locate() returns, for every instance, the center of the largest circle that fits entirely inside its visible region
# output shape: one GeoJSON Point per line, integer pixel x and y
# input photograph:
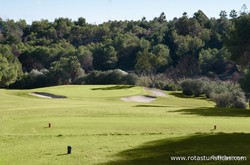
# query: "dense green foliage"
{"type": "Point", "coordinates": [239, 40]}
{"type": "Point", "coordinates": [244, 82]}
{"type": "Point", "coordinates": [67, 50]}
{"type": "Point", "coordinates": [109, 77]}
{"type": "Point", "coordinates": [10, 67]}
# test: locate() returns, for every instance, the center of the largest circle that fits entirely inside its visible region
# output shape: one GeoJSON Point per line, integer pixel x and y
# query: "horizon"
{"type": "Point", "coordinates": [100, 11]}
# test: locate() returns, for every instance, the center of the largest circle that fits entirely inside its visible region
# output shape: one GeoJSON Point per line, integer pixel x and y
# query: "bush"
{"type": "Point", "coordinates": [222, 99]}
{"type": "Point", "coordinates": [187, 86]}
{"type": "Point", "coordinates": [144, 81]}
{"type": "Point", "coordinates": [228, 94]}
{"type": "Point", "coordinates": [108, 77]}
{"type": "Point", "coordinates": [33, 79]}
{"type": "Point", "coordinates": [207, 87]}
{"type": "Point", "coordinates": [245, 81]}
{"type": "Point", "coordinates": [130, 79]}
{"type": "Point", "coordinates": [235, 99]}
{"type": "Point", "coordinates": [166, 85]}
{"type": "Point", "coordinates": [224, 94]}
{"type": "Point", "coordinates": [191, 87]}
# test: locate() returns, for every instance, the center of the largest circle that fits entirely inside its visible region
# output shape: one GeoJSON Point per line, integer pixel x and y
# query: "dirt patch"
{"type": "Point", "coordinates": [47, 95]}
{"type": "Point", "coordinates": [142, 99]}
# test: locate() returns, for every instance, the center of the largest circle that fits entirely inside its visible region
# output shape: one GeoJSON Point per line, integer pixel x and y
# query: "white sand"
{"type": "Point", "coordinates": [156, 92]}
{"type": "Point", "coordinates": [39, 95]}
{"type": "Point", "coordinates": [143, 99]}
{"type": "Point", "coordinates": [146, 99]}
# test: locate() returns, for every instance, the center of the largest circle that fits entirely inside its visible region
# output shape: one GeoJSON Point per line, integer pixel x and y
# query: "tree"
{"type": "Point", "coordinates": [223, 14]}
{"type": "Point", "coordinates": [85, 57]}
{"type": "Point", "coordinates": [244, 83]}
{"type": "Point", "coordinates": [105, 58]}
{"type": "Point", "coordinates": [244, 10]}
{"type": "Point", "coordinates": [206, 59]}
{"type": "Point", "coordinates": [65, 70]}
{"type": "Point", "coordinates": [187, 66]}
{"type": "Point", "coordinates": [127, 46]}
{"type": "Point", "coordinates": [233, 14]}
{"type": "Point", "coordinates": [149, 62]}
{"type": "Point", "coordinates": [238, 41]}
{"type": "Point", "coordinates": [10, 68]}
{"type": "Point", "coordinates": [144, 45]}
{"type": "Point", "coordinates": [11, 32]}
{"type": "Point", "coordinates": [161, 18]}
{"type": "Point", "coordinates": [63, 26]}
{"type": "Point", "coordinates": [187, 45]}
{"type": "Point", "coordinates": [80, 22]}
{"type": "Point", "coordinates": [201, 18]}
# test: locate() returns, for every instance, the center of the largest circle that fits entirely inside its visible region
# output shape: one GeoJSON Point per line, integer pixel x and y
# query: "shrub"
{"type": "Point", "coordinates": [33, 79]}
{"type": "Point", "coordinates": [245, 81]}
{"type": "Point", "coordinates": [240, 103]}
{"type": "Point", "coordinates": [166, 85]}
{"type": "Point", "coordinates": [130, 79]}
{"type": "Point", "coordinates": [224, 94]}
{"type": "Point", "coordinates": [222, 99]}
{"type": "Point", "coordinates": [108, 77]}
{"type": "Point", "coordinates": [229, 94]}
{"type": "Point", "coordinates": [191, 87]}
{"type": "Point", "coordinates": [144, 81]}
{"type": "Point", "coordinates": [113, 77]}
{"type": "Point", "coordinates": [207, 87]}
{"type": "Point", "coordinates": [172, 87]}
{"type": "Point", "coordinates": [187, 86]}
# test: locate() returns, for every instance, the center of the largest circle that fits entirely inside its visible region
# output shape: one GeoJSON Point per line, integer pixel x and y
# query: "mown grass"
{"type": "Point", "coordinates": [102, 129]}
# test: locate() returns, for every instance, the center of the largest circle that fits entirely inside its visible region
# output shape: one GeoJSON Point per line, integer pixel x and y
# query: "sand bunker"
{"type": "Point", "coordinates": [146, 99]}
{"type": "Point", "coordinates": [143, 99]}
{"type": "Point", "coordinates": [47, 95]}
{"type": "Point", "coordinates": [156, 92]}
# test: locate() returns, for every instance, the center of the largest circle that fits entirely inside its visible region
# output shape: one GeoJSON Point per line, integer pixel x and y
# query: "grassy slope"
{"type": "Point", "coordinates": [103, 129]}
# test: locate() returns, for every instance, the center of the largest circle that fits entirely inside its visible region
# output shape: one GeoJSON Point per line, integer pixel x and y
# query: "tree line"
{"type": "Point", "coordinates": [64, 51]}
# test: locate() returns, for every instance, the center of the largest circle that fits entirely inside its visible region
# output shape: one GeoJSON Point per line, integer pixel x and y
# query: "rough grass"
{"type": "Point", "coordinates": [102, 129]}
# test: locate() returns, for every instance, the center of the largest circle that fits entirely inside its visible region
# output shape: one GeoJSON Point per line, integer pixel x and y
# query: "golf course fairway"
{"type": "Point", "coordinates": [104, 129]}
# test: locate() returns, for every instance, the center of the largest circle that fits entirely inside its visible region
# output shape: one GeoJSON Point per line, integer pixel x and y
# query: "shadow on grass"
{"type": "Point", "coordinates": [180, 95]}
{"type": "Point", "coordinates": [149, 96]}
{"type": "Point", "coordinates": [50, 95]}
{"type": "Point", "coordinates": [160, 152]}
{"type": "Point", "coordinates": [114, 87]}
{"type": "Point", "coordinates": [62, 154]}
{"type": "Point", "coordinates": [227, 112]}
{"type": "Point", "coordinates": [148, 106]}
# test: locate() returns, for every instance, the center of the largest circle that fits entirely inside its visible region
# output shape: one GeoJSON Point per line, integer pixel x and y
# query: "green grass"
{"type": "Point", "coordinates": [102, 129]}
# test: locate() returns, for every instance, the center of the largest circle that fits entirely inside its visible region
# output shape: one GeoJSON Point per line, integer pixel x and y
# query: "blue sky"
{"type": "Point", "coordinates": [98, 11]}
